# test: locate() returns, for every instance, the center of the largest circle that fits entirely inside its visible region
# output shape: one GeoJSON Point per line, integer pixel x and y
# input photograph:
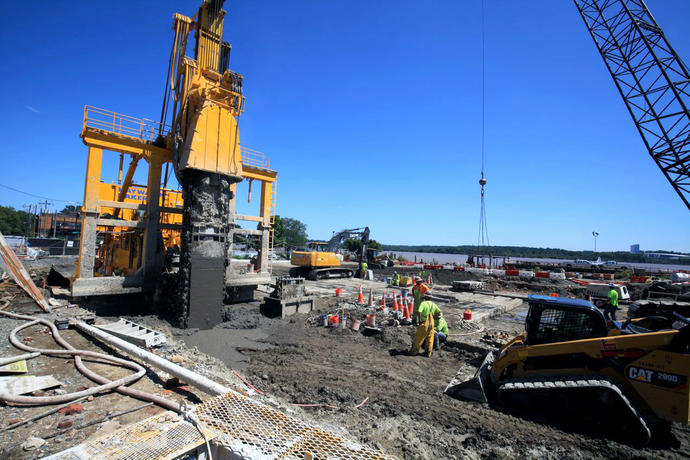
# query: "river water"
{"type": "Point", "coordinates": [431, 257]}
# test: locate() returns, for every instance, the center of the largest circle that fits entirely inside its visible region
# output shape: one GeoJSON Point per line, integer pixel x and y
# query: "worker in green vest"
{"type": "Point", "coordinates": [427, 314]}
{"type": "Point", "coordinates": [612, 306]}
{"type": "Point", "coordinates": [440, 332]}
{"type": "Point", "coordinates": [365, 267]}
{"type": "Point", "coordinates": [396, 279]}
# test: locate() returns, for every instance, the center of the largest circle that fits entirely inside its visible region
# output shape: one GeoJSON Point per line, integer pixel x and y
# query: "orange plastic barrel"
{"type": "Point", "coordinates": [371, 320]}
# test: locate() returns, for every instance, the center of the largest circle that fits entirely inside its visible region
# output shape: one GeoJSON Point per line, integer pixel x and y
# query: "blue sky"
{"type": "Point", "coordinates": [370, 112]}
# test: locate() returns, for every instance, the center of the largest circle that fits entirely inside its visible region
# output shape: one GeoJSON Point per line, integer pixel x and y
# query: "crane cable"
{"type": "Point", "coordinates": [483, 229]}
{"type": "Point", "coordinates": [483, 86]}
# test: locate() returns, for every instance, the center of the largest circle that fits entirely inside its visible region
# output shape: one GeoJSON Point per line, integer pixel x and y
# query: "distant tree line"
{"type": "Point", "coordinates": [14, 222]}
{"type": "Point", "coordinates": [289, 233]}
{"type": "Point", "coordinates": [17, 222]}
{"type": "Point", "coordinates": [524, 251]}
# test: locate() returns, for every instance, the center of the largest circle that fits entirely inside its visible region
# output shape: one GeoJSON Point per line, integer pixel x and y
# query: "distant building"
{"type": "Point", "coordinates": [56, 225]}
{"type": "Point", "coordinates": [635, 248]}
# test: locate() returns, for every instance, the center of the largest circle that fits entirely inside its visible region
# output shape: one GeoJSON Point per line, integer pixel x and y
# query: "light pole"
{"type": "Point", "coordinates": [595, 234]}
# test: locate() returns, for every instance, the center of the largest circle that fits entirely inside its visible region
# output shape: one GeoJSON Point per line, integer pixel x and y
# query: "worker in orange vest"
{"type": "Point", "coordinates": [418, 292]}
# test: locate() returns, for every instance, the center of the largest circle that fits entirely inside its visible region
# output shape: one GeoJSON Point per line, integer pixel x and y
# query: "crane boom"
{"type": "Point", "coordinates": [651, 78]}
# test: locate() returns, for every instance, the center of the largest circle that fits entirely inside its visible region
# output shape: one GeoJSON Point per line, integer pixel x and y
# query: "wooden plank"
{"type": "Point", "coordinates": [249, 218]}
{"type": "Point", "coordinates": [16, 386]}
{"type": "Point", "coordinates": [121, 223]}
{"type": "Point", "coordinates": [120, 205]}
{"type": "Point", "coordinates": [246, 231]}
{"type": "Point", "coordinates": [21, 276]}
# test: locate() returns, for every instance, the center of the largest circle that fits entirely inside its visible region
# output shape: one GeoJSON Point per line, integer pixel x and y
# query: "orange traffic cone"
{"type": "Point", "coordinates": [371, 297]}
{"type": "Point", "coordinates": [407, 312]}
{"type": "Point", "coordinates": [428, 280]}
{"type": "Point", "coordinates": [382, 303]}
{"type": "Point", "coordinates": [396, 307]}
{"type": "Point", "coordinates": [360, 297]}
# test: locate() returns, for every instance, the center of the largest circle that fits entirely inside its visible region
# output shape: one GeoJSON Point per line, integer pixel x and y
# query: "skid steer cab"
{"type": "Point", "coordinates": [573, 362]}
{"type": "Point", "coordinates": [556, 319]}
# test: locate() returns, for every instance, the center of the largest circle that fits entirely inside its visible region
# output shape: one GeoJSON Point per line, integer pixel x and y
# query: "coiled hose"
{"type": "Point", "coordinates": [105, 383]}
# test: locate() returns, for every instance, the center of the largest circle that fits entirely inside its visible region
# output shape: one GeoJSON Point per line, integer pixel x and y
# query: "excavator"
{"type": "Point", "coordinates": [171, 243]}
{"type": "Point", "coordinates": [321, 262]}
{"type": "Point", "coordinates": [570, 362]}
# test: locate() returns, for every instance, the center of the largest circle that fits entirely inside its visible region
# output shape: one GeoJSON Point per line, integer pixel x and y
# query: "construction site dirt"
{"type": "Point", "coordinates": [362, 383]}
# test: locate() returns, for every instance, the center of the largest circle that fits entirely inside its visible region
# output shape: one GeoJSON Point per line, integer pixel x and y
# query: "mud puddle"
{"type": "Point", "coordinates": [228, 345]}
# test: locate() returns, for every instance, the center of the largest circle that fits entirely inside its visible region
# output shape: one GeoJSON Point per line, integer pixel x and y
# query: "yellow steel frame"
{"type": "Point", "coordinates": [109, 132]}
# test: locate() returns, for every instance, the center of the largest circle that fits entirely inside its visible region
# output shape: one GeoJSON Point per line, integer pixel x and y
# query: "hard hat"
{"type": "Point", "coordinates": [418, 278]}
{"type": "Point", "coordinates": [611, 284]}
{"type": "Point", "coordinates": [427, 295]}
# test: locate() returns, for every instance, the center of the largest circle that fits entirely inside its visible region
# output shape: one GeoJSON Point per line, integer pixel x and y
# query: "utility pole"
{"type": "Point", "coordinates": [595, 234]}
{"type": "Point", "coordinates": [29, 222]}
{"type": "Point", "coordinates": [45, 204]}
{"type": "Point", "coordinates": [44, 214]}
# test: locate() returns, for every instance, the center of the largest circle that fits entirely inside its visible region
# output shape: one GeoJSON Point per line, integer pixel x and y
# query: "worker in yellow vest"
{"type": "Point", "coordinates": [424, 335]}
{"type": "Point", "coordinates": [612, 306]}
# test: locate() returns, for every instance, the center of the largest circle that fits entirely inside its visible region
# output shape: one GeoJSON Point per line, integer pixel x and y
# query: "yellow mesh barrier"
{"type": "Point", "coordinates": [248, 429]}
{"type": "Point", "coordinates": [163, 436]}
{"type": "Point", "coordinates": [255, 430]}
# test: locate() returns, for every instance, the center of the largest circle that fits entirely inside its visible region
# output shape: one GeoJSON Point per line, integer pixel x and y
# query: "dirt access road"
{"type": "Point", "coordinates": [406, 413]}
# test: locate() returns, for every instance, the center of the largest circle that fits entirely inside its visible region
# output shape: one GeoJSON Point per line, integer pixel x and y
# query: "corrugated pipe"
{"type": "Point", "coordinates": [196, 380]}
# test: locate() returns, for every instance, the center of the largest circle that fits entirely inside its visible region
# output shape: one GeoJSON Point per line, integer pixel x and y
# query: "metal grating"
{"type": "Point", "coordinates": [252, 429]}
{"type": "Point", "coordinates": [164, 436]}
{"type": "Point", "coordinates": [242, 426]}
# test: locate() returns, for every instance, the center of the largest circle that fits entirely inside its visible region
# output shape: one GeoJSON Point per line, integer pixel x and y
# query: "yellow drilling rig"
{"type": "Point", "coordinates": [177, 243]}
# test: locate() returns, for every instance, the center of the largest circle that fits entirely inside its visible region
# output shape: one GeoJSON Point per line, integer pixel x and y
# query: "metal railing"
{"type": "Point", "coordinates": [124, 125]}
{"type": "Point", "coordinates": [252, 157]}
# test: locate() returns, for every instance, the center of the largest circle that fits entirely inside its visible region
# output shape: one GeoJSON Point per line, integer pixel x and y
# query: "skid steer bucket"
{"type": "Point", "coordinates": [471, 383]}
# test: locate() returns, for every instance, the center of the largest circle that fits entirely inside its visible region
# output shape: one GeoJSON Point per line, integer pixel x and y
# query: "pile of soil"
{"type": "Point", "coordinates": [406, 413]}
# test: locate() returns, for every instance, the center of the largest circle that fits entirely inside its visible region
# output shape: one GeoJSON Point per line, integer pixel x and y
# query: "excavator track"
{"type": "Point", "coordinates": [322, 273]}
{"type": "Point", "coordinates": [584, 394]}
